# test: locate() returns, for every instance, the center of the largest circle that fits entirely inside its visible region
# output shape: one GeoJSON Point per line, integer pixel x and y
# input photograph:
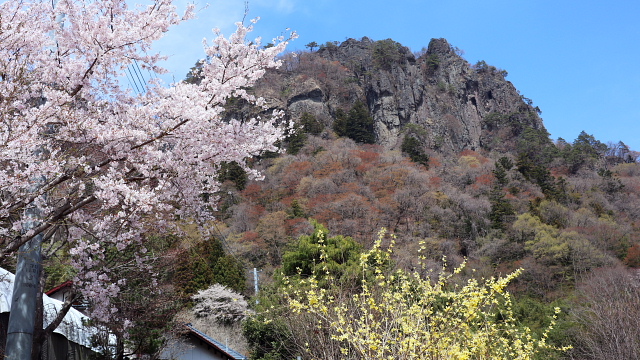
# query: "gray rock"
{"type": "Point", "coordinates": [455, 106]}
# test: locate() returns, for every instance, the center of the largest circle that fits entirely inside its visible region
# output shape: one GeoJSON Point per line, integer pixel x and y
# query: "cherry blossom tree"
{"type": "Point", "coordinates": [104, 165]}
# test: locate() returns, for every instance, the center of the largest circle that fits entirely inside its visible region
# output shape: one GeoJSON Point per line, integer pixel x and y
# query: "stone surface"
{"type": "Point", "coordinates": [445, 97]}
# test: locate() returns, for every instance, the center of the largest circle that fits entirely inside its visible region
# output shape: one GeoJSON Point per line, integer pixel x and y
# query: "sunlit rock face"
{"type": "Point", "coordinates": [455, 105]}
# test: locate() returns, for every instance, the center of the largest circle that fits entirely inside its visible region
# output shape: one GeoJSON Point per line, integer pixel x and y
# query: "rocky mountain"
{"type": "Point", "coordinates": [457, 165]}
{"type": "Point", "coordinates": [452, 105]}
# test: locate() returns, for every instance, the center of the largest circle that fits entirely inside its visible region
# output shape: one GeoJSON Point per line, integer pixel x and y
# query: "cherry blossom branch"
{"type": "Point", "coordinates": [55, 182]}
{"type": "Point", "coordinates": [52, 249]}
{"type": "Point", "coordinates": [102, 152]}
{"type": "Point", "coordinates": [77, 89]}
{"type": "Point", "coordinates": [61, 213]}
{"type": "Point", "coordinates": [160, 136]}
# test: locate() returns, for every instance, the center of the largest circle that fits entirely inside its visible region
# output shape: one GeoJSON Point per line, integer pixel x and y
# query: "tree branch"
{"type": "Point", "coordinates": [55, 182]}
{"type": "Point", "coordinates": [60, 214]}
{"type": "Point", "coordinates": [61, 314]}
{"type": "Point", "coordinates": [162, 134]}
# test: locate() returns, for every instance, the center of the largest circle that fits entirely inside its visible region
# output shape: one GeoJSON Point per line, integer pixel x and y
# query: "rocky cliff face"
{"type": "Point", "coordinates": [451, 104]}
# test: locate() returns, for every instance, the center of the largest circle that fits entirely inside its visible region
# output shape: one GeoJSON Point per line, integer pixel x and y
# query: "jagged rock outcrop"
{"type": "Point", "coordinates": [454, 105]}
{"type": "Point", "coordinates": [309, 97]}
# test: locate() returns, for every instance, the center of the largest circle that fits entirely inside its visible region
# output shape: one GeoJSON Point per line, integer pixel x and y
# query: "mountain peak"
{"type": "Point", "coordinates": [455, 105]}
{"type": "Point", "coordinates": [439, 46]}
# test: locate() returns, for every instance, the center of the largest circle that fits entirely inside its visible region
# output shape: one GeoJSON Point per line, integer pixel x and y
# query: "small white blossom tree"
{"type": "Point", "coordinates": [219, 312]}
{"type": "Point", "coordinates": [220, 304]}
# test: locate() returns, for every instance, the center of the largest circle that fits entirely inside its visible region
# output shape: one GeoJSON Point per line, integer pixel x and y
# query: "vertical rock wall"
{"type": "Point", "coordinates": [439, 92]}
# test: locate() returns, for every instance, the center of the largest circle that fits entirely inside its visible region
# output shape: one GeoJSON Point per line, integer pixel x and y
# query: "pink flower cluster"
{"type": "Point", "coordinates": [115, 164]}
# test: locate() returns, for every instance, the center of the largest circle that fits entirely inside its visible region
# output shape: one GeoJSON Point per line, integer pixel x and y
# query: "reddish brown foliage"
{"type": "Point", "coordinates": [295, 227]}
{"type": "Point", "coordinates": [559, 171]}
{"type": "Point", "coordinates": [485, 179]}
{"type": "Point", "coordinates": [482, 159]}
{"type": "Point", "coordinates": [292, 174]}
{"type": "Point", "coordinates": [253, 191]}
{"type": "Point", "coordinates": [249, 236]}
{"type": "Point", "coordinates": [633, 256]}
{"type": "Point", "coordinates": [328, 169]}
{"type": "Point", "coordinates": [367, 156]}
{"type": "Point", "coordinates": [434, 162]}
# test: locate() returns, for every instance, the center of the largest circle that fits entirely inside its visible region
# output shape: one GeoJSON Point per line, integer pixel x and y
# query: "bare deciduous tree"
{"type": "Point", "coordinates": [609, 315]}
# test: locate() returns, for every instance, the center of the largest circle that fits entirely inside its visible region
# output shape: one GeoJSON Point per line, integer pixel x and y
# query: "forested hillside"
{"type": "Point", "coordinates": [451, 159]}
{"type": "Point", "coordinates": [456, 165]}
{"type": "Point", "coordinates": [488, 197]}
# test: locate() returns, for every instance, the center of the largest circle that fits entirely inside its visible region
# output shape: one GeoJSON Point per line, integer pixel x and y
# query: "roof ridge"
{"type": "Point", "coordinates": [222, 347]}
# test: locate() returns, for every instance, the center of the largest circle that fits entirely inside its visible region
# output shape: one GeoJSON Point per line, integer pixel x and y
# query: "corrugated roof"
{"type": "Point", "coordinates": [74, 325]}
{"type": "Point", "coordinates": [220, 346]}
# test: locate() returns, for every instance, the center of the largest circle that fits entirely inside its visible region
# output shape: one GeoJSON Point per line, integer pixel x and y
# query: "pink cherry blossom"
{"type": "Point", "coordinates": [115, 164]}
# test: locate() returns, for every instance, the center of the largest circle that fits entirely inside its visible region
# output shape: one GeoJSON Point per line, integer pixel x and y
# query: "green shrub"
{"type": "Point", "coordinates": [412, 147]}
{"type": "Point", "coordinates": [386, 53]}
{"type": "Point", "coordinates": [357, 124]}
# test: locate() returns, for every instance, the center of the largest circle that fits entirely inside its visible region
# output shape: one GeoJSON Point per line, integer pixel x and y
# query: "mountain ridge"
{"type": "Point", "coordinates": [455, 103]}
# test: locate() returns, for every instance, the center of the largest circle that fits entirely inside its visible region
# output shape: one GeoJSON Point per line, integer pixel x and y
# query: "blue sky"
{"type": "Point", "coordinates": [577, 61]}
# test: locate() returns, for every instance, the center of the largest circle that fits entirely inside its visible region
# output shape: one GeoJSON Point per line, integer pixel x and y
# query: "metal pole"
{"type": "Point", "coordinates": [23, 301]}
{"type": "Point", "coordinates": [255, 283]}
{"type": "Point", "coordinates": [255, 280]}
{"type": "Point", "coordinates": [27, 281]}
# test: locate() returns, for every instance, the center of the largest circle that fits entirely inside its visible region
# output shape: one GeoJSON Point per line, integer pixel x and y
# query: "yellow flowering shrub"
{"type": "Point", "coordinates": [398, 314]}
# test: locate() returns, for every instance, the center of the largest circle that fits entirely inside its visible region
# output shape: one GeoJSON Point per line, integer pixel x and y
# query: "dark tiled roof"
{"type": "Point", "coordinates": [216, 344]}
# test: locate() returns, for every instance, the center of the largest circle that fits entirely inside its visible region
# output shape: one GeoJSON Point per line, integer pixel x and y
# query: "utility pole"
{"type": "Point", "coordinates": [26, 286]}
{"type": "Point", "coordinates": [25, 289]}
{"type": "Point", "coordinates": [255, 283]}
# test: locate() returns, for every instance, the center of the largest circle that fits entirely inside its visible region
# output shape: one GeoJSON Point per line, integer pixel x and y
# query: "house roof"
{"type": "Point", "coordinates": [73, 326]}
{"type": "Point", "coordinates": [215, 344]}
{"type": "Point", "coordinates": [59, 287]}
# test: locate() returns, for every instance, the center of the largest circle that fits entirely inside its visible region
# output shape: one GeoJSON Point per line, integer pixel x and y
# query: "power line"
{"type": "Point", "coordinates": [132, 69]}
{"type": "Point", "coordinates": [132, 80]}
{"type": "Point", "coordinates": [226, 245]}
{"type": "Point", "coordinates": [137, 67]}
